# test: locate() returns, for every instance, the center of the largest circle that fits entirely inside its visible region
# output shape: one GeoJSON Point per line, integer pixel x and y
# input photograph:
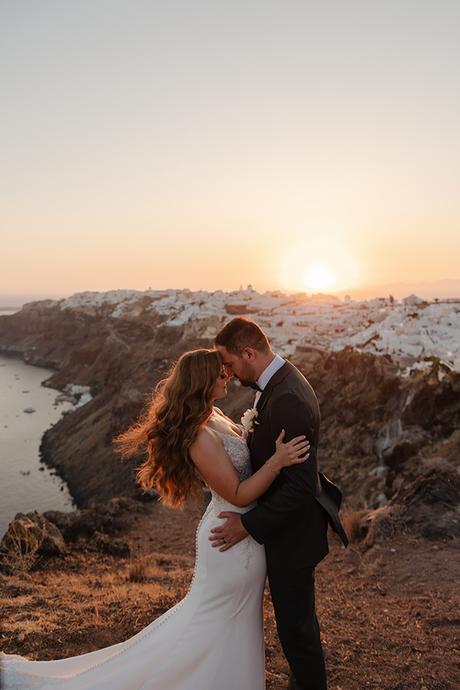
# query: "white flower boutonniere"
{"type": "Point", "coordinates": [248, 420]}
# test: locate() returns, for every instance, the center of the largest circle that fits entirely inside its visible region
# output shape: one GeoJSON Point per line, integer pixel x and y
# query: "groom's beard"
{"type": "Point", "coordinates": [247, 383]}
{"type": "Point", "coordinates": [246, 376]}
{"type": "Point", "coordinates": [247, 379]}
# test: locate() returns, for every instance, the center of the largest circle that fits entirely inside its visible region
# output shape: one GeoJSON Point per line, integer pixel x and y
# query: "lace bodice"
{"type": "Point", "coordinates": [238, 452]}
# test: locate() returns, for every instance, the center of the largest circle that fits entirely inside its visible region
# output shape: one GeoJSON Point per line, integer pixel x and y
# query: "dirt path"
{"type": "Point", "coordinates": [389, 616]}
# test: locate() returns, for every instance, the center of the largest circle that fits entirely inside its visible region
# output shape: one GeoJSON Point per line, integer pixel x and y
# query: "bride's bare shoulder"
{"type": "Point", "coordinates": [206, 439]}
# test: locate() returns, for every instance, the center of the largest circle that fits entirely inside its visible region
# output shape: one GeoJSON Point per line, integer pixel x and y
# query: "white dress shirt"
{"type": "Point", "coordinates": [276, 363]}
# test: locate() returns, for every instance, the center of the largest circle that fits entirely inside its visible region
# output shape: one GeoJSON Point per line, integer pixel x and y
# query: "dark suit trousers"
{"type": "Point", "coordinates": [293, 597]}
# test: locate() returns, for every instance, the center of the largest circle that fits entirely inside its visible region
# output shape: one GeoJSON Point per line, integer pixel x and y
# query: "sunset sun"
{"type": "Point", "coordinates": [321, 264]}
{"type": "Point", "coordinates": [319, 277]}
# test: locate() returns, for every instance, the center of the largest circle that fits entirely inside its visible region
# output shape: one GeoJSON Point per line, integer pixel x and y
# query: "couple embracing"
{"type": "Point", "coordinates": [269, 513]}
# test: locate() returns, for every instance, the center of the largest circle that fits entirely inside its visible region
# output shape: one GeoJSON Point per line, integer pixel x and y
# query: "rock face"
{"type": "Point", "coordinates": [357, 393]}
{"type": "Point", "coordinates": [102, 542]}
{"type": "Point", "coordinates": [428, 507]}
{"type": "Point", "coordinates": [107, 518]}
{"type": "Point", "coordinates": [29, 536]}
{"type": "Point", "coordinates": [431, 504]}
{"type": "Point", "coordinates": [54, 533]}
{"type": "Point", "coordinates": [378, 430]}
{"type": "Point", "coordinates": [121, 360]}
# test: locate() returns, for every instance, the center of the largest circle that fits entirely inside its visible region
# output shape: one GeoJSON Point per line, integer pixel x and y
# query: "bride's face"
{"type": "Point", "coordinates": [220, 387]}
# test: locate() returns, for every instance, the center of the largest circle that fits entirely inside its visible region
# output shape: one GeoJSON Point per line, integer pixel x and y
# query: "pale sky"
{"type": "Point", "coordinates": [212, 144]}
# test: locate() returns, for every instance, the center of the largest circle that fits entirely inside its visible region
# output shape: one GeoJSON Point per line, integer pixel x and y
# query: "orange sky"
{"type": "Point", "coordinates": [223, 146]}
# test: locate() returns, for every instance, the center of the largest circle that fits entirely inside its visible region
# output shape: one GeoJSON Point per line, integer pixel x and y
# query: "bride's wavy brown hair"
{"type": "Point", "coordinates": [180, 404]}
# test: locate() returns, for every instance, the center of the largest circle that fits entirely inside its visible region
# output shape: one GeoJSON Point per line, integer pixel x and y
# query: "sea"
{"type": "Point", "coordinates": [27, 409]}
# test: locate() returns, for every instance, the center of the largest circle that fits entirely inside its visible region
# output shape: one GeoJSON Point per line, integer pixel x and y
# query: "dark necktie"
{"type": "Point", "coordinates": [255, 386]}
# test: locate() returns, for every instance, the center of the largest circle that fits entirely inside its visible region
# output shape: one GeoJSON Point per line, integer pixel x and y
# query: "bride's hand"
{"type": "Point", "coordinates": [292, 453]}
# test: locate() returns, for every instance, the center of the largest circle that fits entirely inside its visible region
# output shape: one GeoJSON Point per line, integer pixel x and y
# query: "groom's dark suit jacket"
{"type": "Point", "coordinates": [291, 518]}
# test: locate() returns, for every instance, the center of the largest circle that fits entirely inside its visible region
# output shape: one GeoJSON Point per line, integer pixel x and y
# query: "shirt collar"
{"type": "Point", "coordinates": [269, 371]}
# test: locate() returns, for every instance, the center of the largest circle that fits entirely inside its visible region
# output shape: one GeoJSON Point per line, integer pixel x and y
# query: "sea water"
{"type": "Point", "coordinates": [27, 409]}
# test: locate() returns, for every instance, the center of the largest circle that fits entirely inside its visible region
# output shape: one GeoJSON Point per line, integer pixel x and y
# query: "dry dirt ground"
{"type": "Point", "coordinates": [389, 615]}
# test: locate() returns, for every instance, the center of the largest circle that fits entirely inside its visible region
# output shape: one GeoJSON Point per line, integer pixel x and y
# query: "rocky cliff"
{"type": "Point", "coordinates": [379, 428]}
{"type": "Point", "coordinates": [390, 440]}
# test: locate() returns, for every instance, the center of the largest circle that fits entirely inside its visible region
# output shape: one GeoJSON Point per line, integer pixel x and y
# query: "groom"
{"type": "Point", "coordinates": [292, 517]}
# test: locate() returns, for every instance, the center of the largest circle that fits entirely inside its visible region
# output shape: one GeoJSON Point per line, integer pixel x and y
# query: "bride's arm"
{"type": "Point", "coordinates": [214, 465]}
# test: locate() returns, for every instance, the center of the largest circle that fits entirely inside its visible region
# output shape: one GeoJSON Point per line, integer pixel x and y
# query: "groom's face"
{"type": "Point", "coordinates": [240, 366]}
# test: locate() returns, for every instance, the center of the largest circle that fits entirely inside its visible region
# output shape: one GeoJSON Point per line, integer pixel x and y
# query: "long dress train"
{"type": "Point", "coordinates": [211, 640]}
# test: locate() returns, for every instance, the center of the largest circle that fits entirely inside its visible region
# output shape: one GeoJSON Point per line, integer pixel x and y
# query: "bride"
{"type": "Point", "coordinates": [213, 638]}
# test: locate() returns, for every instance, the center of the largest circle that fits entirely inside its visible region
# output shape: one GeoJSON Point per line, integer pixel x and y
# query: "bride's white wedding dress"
{"type": "Point", "coordinates": [211, 640]}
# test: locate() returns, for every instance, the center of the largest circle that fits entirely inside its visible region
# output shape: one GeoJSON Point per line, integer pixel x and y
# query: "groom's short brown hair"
{"type": "Point", "coordinates": [240, 333]}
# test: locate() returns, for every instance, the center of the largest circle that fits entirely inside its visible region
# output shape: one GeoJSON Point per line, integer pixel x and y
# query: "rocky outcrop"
{"type": "Point", "coordinates": [380, 429]}
{"type": "Point", "coordinates": [33, 536]}
{"type": "Point", "coordinates": [102, 542]}
{"type": "Point", "coordinates": [357, 393]}
{"type": "Point", "coordinates": [28, 537]}
{"type": "Point", "coordinates": [108, 518]}
{"type": "Point", "coordinates": [427, 507]}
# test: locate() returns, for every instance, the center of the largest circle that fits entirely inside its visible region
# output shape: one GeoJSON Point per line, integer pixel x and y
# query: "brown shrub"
{"type": "Point", "coordinates": [355, 523]}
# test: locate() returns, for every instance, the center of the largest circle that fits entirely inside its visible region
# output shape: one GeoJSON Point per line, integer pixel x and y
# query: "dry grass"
{"type": "Point", "coordinates": [354, 523]}
{"type": "Point", "coordinates": [23, 545]}
{"type": "Point", "coordinates": [138, 570]}
{"type": "Point", "coordinates": [379, 609]}
{"type": "Point", "coordinates": [90, 605]}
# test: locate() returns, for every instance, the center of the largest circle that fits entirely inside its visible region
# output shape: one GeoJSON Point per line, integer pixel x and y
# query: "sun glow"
{"type": "Point", "coordinates": [319, 265]}
{"type": "Point", "coordinates": [319, 278]}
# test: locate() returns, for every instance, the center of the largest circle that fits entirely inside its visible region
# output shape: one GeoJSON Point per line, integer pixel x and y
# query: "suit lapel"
{"type": "Point", "coordinates": [277, 377]}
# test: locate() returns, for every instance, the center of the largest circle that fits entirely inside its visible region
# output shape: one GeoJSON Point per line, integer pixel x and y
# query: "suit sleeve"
{"type": "Point", "coordinates": [295, 484]}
